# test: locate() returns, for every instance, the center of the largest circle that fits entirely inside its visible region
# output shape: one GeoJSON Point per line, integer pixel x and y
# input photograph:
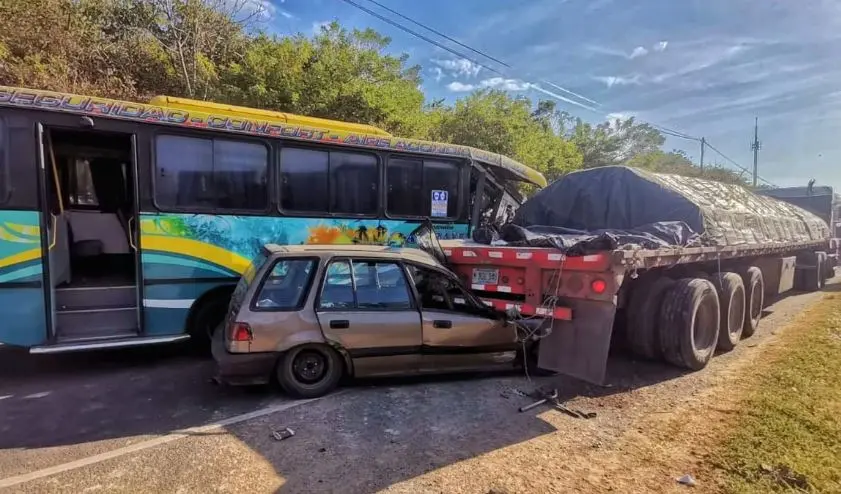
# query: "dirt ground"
{"type": "Point", "coordinates": [653, 424]}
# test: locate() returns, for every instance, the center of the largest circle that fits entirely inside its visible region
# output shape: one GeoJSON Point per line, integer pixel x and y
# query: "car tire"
{"type": "Point", "coordinates": [689, 323]}
{"type": "Point", "coordinates": [309, 371]}
{"type": "Point", "coordinates": [754, 299]}
{"type": "Point", "coordinates": [642, 336]}
{"type": "Point", "coordinates": [731, 300]}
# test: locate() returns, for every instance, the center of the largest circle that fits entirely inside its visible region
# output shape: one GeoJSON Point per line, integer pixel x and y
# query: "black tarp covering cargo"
{"type": "Point", "coordinates": [622, 205]}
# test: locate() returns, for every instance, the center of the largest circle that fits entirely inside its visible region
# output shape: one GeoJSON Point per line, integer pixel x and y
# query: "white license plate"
{"type": "Point", "coordinates": [485, 276]}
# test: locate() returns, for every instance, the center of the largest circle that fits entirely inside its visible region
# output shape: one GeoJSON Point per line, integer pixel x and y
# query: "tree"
{"type": "Point", "coordinates": [676, 162]}
{"type": "Point", "coordinates": [338, 74]}
{"type": "Point", "coordinates": [614, 142]}
{"type": "Point", "coordinates": [495, 121]}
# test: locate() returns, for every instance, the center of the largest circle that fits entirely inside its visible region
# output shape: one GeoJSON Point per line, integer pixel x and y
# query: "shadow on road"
{"type": "Point", "coordinates": [385, 430]}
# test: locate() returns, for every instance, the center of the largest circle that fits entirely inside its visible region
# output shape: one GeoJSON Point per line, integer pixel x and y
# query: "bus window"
{"type": "Point", "coordinates": [355, 180]}
{"type": "Point", "coordinates": [443, 176]}
{"type": "Point", "coordinates": [306, 176]}
{"type": "Point", "coordinates": [304, 180]}
{"type": "Point", "coordinates": [210, 173]}
{"type": "Point", "coordinates": [404, 179]}
{"type": "Point", "coordinates": [411, 184]}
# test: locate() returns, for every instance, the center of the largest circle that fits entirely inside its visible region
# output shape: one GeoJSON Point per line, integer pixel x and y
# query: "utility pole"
{"type": "Point", "coordinates": [703, 144]}
{"type": "Point", "coordinates": [756, 146]}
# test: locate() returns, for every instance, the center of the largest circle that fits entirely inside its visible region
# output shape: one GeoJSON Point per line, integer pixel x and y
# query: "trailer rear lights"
{"type": "Point", "coordinates": [241, 332]}
{"type": "Point", "coordinates": [598, 286]}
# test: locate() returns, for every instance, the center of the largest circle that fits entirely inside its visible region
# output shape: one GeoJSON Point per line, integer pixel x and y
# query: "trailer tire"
{"type": "Point", "coordinates": [731, 300]}
{"type": "Point", "coordinates": [643, 316]}
{"type": "Point", "coordinates": [689, 323]}
{"type": "Point", "coordinates": [823, 260]}
{"type": "Point", "coordinates": [754, 299]}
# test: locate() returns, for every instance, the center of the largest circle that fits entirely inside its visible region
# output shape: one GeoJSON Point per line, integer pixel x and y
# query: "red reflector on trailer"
{"type": "Point", "coordinates": [598, 286]}
{"type": "Point", "coordinates": [241, 332]}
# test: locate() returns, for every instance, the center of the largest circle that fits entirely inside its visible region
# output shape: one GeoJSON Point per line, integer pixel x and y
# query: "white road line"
{"type": "Point", "coordinates": [175, 435]}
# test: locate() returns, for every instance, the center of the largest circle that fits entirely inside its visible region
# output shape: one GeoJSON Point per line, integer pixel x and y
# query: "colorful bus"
{"type": "Point", "coordinates": [125, 224]}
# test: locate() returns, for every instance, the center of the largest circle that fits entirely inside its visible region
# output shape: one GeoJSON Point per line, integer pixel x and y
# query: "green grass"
{"type": "Point", "coordinates": [788, 434]}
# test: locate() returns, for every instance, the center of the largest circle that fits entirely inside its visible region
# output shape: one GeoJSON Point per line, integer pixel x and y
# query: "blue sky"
{"type": "Point", "coordinates": [703, 67]}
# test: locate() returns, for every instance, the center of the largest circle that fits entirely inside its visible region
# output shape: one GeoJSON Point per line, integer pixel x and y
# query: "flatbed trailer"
{"type": "Point", "coordinates": [674, 304]}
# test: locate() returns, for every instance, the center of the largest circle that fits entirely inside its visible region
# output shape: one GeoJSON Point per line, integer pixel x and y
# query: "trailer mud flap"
{"type": "Point", "coordinates": [579, 348]}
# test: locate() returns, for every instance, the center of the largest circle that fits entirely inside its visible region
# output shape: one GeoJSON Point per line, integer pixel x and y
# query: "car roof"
{"type": "Point", "coordinates": [332, 250]}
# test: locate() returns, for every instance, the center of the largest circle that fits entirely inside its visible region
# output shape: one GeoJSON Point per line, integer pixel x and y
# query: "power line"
{"type": "Point", "coordinates": [424, 26]}
{"type": "Point", "coordinates": [478, 52]}
{"type": "Point", "coordinates": [736, 164]}
{"type": "Point", "coordinates": [461, 55]}
{"type": "Point", "coordinates": [420, 36]}
{"type": "Point", "coordinates": [665, 130]}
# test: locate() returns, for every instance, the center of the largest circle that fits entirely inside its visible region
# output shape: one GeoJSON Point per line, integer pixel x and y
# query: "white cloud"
{"type": "Point", "coordinates": [438, 73]}
{"type": "Point", "coordinates": [619, 115]}
{"type": "Point", "coordinates": [459, 87]}
{"type": "Point", "coordinates": [286, 14]}
{"type": "Point", "coordinates": [661, 46]}
{"type": "Point", "coordinates": [318, 26]}
{"type": "Point", "coordinates": [612, 80]}
{"type": "Point", "coordinates": [638, 52]}
{"type": "Point", "coordinates": [505, 84]}
{"type": "Point", "coordinates": [492, 83]}
{"type": "Point", "coordinates": [263, 10]}
{"type": "Point", "coordinates": [458, 67]}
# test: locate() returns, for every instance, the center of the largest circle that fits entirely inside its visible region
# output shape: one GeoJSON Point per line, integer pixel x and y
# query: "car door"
{"type": "Point", "coordinates": [367, 307]}
{"type": "Point", "coordinates": [458, 332]}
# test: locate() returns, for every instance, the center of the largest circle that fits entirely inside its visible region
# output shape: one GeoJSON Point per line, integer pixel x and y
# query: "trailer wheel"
{"type": "Point", "coordinates": [823, 261]}
{"type": "Point", "coordinates": [754, 299]}
{"type": "Point", "coordinates": [731, 300]}
{"type": "Point", "coordinates": [643, 314]}
{"type": "Point", "coordinates": [689, 323]}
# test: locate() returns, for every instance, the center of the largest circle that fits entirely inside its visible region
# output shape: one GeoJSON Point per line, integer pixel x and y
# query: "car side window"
{"type": "Point", "coordinates": [286, 284]}
{"type": "Point", "coordinates": [381, 285]}
{"type": "Point", "coordinates": [365, 285]}
{"type": "Point", "coordinates": [337, 292]}
{"type": "Point", "coordinates": [439, 292]}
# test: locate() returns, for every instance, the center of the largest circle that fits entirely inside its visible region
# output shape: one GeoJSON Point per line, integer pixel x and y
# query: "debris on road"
{"type": "Point", "coordinates": [687, 480]}
{"type": "Point", "coordinates": [551, 397]}
{"type": "Point", "coordinates": [282, 434]}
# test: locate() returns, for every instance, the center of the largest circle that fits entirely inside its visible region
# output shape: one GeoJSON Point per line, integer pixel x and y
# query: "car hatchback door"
{"type": "Point", "coordinates": [458, 332]}
{"type": "Point", "coordinates": [366, 307]}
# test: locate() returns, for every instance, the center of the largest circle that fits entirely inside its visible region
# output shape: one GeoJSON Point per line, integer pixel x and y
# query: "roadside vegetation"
{"type": "Point", "coordinates": [220, 50]}
{"type": "Point", "coordinates": [787, 436]}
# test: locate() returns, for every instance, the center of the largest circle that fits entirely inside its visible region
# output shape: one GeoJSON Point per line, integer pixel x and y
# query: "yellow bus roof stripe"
{"type": "Point", "coordinates": [245, 112]}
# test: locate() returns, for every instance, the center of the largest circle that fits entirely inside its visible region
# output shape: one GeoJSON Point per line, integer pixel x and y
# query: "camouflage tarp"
{"type": "Point", "coordinates": [622, 199]}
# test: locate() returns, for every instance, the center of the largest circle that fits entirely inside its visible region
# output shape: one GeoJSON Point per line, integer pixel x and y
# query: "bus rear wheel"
{"type": "Point", "coordinates": [208, 317]}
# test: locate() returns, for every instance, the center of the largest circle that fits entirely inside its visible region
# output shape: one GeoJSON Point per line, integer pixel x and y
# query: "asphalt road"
{"type": "Point", "coordinates": [61, 407]}
{"type": "Point", "coordinates": [104, 422]}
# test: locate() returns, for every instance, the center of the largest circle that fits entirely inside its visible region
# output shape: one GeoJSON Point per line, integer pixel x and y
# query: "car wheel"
{"type": "Point", "coordinates": [309, 371]}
